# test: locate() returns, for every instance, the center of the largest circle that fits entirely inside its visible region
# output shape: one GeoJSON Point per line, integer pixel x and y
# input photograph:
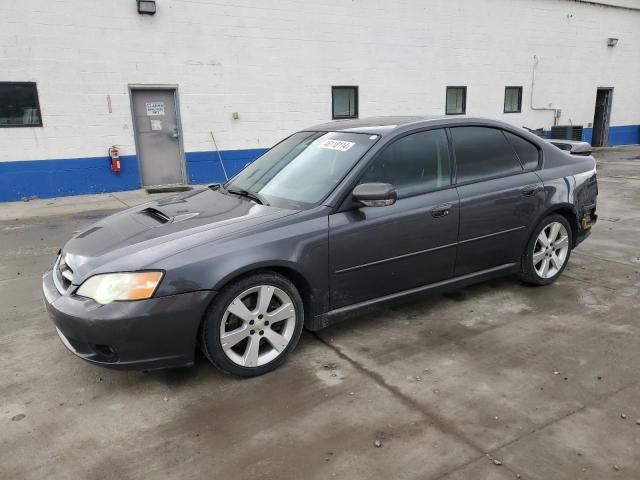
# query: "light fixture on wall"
{"type": "Point", "coordinates": [146, 7]}
{"type": "Point", "coordinates": [612, 42]}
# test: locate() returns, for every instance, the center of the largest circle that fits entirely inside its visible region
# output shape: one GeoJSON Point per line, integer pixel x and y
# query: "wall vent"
{"type": "Point", "coordinates": [567, 132]}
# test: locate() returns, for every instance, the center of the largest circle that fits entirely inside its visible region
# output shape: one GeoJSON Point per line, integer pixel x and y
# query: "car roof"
{"type": "Point", "coordinates": [385, 125]}
{"type": "Point", "coordinates": [378, 125]}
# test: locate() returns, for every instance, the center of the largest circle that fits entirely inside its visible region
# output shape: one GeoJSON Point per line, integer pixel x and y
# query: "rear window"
{"type": "Point", "coordinates": [481, 153]}
{"type": "Point", "coordinates": [527, 152]}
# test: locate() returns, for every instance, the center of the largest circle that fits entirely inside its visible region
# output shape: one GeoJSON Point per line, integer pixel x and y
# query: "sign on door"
{"type": "Point", "coordinates": [154, 108]}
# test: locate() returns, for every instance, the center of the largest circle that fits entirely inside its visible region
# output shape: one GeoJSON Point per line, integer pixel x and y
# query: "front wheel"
{"type": "Point", "coordinates": [253, 324]}
{"type": "Point", "coordinates": [547, 252]}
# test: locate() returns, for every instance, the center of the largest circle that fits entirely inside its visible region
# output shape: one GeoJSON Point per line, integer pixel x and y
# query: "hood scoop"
{"type": "Point", "coordinates": [162, 218]}
{"type": "Point", "coordinates": [155, 214]}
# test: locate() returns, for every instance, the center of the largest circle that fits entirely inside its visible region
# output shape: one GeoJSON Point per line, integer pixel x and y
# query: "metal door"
{"type": "Point", "coordinates": [157, 130]}
{"type": "Point", "coordinates": [601, 117]}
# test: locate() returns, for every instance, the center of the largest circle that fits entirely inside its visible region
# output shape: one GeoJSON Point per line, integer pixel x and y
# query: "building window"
{"type": "Point", "coordinates": [19, 105]}
{"type": "Point", "coordinates": [344, 102]}
{"type": "Point", "coordinates": [456, 101]}
{"type": "Point", "coordinates": [512, 99]}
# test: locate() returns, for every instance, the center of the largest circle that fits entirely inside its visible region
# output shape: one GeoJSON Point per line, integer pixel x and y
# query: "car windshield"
{"type": "Point", "coordinates": [303, 169]}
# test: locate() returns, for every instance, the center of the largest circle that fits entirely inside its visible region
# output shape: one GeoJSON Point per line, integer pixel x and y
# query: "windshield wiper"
{"type": "Point", "coordinates": [246, 193]}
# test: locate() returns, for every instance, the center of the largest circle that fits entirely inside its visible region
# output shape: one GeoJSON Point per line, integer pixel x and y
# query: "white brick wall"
{"type": "Point", "coordinates": [274, 61]}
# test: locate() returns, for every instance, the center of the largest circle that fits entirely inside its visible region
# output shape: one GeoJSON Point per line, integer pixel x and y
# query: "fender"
{"type": "Point", "coordinates": [316, 300]}
{"type": "Point", "coordinates": [557, 207]}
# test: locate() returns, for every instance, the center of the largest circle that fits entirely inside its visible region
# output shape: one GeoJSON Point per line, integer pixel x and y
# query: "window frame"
{"type": "Point", "coordinates": [504, 103]}
{"type": "Point", "coordinates": [393, 140]}
{"type": "Point", "coordinates": [30, 125]}
{"type": "Point", "coordinates": [356, 102]}
{"type": "Point", "coordinates": [464, 99]}
{"type": "Point", "coordinates": [494, 177]}
{"type": "Point", "coordinates": [538, 165]}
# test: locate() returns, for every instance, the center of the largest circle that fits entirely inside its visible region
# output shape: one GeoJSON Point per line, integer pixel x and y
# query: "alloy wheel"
{"type": "Point", "coordinates": [551, 250]}
{"type": "Point", "coordinates": [257, 326]}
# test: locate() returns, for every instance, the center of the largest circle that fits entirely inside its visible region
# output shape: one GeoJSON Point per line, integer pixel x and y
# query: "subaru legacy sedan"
{"type": "Point", "coordinates": [332, 221]}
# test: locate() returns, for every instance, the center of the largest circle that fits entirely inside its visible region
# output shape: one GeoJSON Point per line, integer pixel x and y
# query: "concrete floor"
{"type": "Point", "coordinates": [545, 381]}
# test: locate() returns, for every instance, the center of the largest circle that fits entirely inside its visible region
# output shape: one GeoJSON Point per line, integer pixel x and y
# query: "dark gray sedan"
{"type": "Point", "coordinates": [332, 220]}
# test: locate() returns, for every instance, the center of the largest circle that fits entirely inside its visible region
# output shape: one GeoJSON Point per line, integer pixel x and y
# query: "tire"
{"type": "Point", "coordinates": [258, 335]}
{"type": "Point", "coordinates": [556, 254]}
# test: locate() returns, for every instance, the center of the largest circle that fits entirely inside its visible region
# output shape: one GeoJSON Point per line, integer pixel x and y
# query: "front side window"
{"type": "Point", "coordinates": [482, 153]}
{"type": "Point", "coordinates": [344, 101]}
{"type": "Point", "coordinates": [413, 164]}
{"type": "Point", "coordinates": [303, 169]}
{"type": "Point", "coordinates": [456, 103]}
{"type": "Point", "coordinates": [512, 99]}
{"type": "Point", "coordinates": [19, 105]}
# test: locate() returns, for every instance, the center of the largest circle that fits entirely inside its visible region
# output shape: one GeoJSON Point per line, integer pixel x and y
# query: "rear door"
{"type": "Point", "coordinates": [500, 195]}
{"type": "Point", "coordinates": [376, 251]}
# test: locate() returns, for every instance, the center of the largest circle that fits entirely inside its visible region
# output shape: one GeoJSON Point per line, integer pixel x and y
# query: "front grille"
{"type": "Point", "coordinates": [62, 275]}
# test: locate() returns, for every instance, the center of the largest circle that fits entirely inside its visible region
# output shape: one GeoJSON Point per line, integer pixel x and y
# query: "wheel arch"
{"type": "Point", "coordinates": [568, 211]}
{"type": "Point", "coordinates": [287, 270]}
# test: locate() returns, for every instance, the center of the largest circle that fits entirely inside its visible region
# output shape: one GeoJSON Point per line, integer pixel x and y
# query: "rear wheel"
{"type": "Point", "coordinates": [547, 252]}
{"type": "Point", "coordinates": [253, 324]}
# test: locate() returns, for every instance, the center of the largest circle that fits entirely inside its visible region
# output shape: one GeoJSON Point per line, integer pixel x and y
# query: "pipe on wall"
{"type": "Point", "coordinates": [556, 111]}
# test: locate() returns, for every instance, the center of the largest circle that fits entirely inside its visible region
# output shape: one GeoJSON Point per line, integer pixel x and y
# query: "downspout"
{"type": "Point", "coordinates": [556, 111]}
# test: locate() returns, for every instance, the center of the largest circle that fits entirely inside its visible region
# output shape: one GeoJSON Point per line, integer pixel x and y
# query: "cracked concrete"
{"type": "Point", "coordinates": [537, 379]}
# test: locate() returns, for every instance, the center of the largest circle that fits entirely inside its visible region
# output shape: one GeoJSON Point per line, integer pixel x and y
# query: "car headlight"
{"type": "Point", "coordinates": [109, 287]}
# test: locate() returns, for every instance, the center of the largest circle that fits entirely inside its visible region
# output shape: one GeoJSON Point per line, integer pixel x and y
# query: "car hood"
{"type": "Point", "coordinates": [137, 237]}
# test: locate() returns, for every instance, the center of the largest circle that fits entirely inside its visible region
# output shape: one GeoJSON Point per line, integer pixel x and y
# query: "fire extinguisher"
{"type": "Point", "coordinates": [114, 157]}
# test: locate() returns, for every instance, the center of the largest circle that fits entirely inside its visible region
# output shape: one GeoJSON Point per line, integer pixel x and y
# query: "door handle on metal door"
{"type": "Point", "coordinates": [175, 133]}
{"type": "Point", "coordinates": [441, 210]}
{"type": "Point", "coordinates": [531, 190]}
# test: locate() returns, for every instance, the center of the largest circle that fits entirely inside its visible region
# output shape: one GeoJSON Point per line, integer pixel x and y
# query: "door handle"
{"type": "Point", "coordinates": [441, 210]}
{"type": "Point", "coordinates": [175, 133]}
{"type": "Point", "coordinates": [531, 190]}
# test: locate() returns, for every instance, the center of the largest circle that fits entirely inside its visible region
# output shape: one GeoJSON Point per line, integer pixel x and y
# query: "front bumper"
{"type": "Point", "coordinates": [142, 335]}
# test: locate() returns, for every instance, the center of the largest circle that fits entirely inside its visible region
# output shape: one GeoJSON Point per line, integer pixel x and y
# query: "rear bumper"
{"type": "Point", "coordinates": [141, 335]}
{"type": "Point", "coordinates": [587, 220]}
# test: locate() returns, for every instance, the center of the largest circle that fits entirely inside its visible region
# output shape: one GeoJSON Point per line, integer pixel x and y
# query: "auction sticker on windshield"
{"type": "Point", "coordinates": [340, 145]}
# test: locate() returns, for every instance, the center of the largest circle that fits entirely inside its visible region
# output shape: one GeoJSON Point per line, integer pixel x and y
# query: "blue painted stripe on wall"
{"type": "Point", "coordinates": [78, 176]}
{"type": "Point", "coordinates": [204, 167]}
{"type": "Point", "coordinates": [68, 176]}
{"type": "Point", "coordinates": [618, 135]}
{"type": "Point", "coordinates": [624, 135]}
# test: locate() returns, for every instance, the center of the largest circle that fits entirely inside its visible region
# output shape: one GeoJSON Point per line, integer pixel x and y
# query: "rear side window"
{"type": "Point", "coordinates": [482, 152]}
{"type": "Point", "coordinates": [527, 152]}
{"type": "Point", "coordinates": [413, 164]}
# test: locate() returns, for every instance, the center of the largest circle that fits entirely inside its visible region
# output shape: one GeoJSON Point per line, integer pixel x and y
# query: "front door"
{"type": "Point", "coordinates": [377, 251]}
{"type": "Point", "coordinates": [157, 131]}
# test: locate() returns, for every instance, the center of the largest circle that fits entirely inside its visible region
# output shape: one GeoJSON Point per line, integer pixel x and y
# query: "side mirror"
{"type": "Point", "coordinates": [375, 194]}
